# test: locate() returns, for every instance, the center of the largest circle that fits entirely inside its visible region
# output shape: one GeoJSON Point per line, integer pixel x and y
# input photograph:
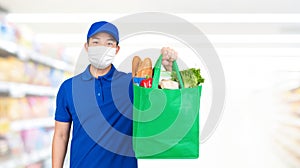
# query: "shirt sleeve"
{"type": "Point", "coordinates": [62, 112]}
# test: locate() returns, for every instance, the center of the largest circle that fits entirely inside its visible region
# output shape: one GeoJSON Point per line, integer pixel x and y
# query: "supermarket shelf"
{"type": "Point", "coordinates": [32, 123]}
{"type": "Point", "coordinates": [24, 54]}
{"type": "Point", "coordinates": [8, 46]}
{"type": "Point", "coordinates": [58, 64]}
{"type": "Point", "coordinates": [26, 159]}
{"type": "Point", "coordinates": [22, 89]}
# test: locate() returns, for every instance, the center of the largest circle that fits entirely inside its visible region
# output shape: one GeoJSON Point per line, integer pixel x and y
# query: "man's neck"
{"type": "Point", "coordinates": [99, 72]}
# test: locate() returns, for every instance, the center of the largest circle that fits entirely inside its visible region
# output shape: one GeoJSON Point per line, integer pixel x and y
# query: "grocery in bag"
{"type": "Point", "coordinates": [166, 120]}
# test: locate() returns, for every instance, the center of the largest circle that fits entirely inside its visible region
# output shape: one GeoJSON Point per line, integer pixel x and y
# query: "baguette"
{"type": "Point", "coordinates": [135, 65]}
{"type": "Point", "coordinates": [146, 72]}
{"type": "Point", "coordinates": [145, 68]}
{"type": "Point", "coordinates": [146, 63]}
{"type": "Point", "coordinates": [141, 68]}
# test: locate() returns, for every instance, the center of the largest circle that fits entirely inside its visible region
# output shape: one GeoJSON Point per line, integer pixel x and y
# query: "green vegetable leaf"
{"type": "Point", "coordinates": [191, 77]}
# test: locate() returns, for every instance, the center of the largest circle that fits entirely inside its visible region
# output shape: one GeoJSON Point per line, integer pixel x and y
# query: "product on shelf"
{"type": "Point", "coordinates": [8, 32]}
{"type": "Point", "coordinates": [4, 125]}
{"type": "Point", "coordinates": [25, 108]}
{"type": "Point", "coordinates": [26, 37]}
{"type": "Point", "coordinates": [4, 113]}
{"type": "Point", "coordinates": [4, 147]}
{"type": "Point", "coordinates": [8, 106]}
{"type": "Point", "coordinates": [14, 70]}
{"type": "Point", "coordinates": [56, 77]}
{"type": "Point", "coordinates": [11, 69]}
{"type": "Point", "coordinates": [39, 106]}
{"type": "Point", "coordinates": [30, 72]}
{"type": "Point", "coordinates": [3, 67]}
{"type": "Point", "coordinates": [42, 75]}
{"type": "Point", "coordinates": [35, 139]}
{"type": "Point", "coordinates": [15, 143]}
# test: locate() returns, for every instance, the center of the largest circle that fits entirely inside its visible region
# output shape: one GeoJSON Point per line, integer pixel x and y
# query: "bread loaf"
{"type": "Point", "coordinates": [141, 68]}
{"type": "Point", "coordinates": [146, 72]}
{"type": "Point", "coordinates": [135, 65]}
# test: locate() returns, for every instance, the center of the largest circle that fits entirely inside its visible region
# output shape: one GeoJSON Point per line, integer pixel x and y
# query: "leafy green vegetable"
{"type": "Point", "coordinates": [191, 77]}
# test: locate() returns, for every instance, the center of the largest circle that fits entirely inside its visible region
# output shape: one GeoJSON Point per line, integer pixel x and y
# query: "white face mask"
{"type": "Point", "coordinates": [100, 56]}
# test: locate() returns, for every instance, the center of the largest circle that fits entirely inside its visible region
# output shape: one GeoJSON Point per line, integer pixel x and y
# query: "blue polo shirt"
{"type": "Point", "coordinates": [101, 112]}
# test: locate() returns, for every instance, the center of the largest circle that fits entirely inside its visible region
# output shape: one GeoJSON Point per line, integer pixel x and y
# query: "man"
{"type": "Point", "coordinates": [90, 101]}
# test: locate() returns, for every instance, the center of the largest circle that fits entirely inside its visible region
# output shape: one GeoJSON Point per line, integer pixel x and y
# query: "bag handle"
{"type": "Point", "coordinates": [156, 74]}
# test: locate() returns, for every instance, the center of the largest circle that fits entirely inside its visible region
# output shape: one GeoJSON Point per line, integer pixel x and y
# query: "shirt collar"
{"type": "Point", "coordinates": [109, 74]}
{"type": "Point", "coordinates": [86, 75]}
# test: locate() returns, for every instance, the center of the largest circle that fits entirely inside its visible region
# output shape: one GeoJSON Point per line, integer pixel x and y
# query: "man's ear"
{"type": "Point", "coordinates": [117, 50]}
{"type": "Point", "coordinates": [86, 47]}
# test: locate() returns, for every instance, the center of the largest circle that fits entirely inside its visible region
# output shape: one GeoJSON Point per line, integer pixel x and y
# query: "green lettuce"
{"type": "Point", "coordinates": [190, 77]}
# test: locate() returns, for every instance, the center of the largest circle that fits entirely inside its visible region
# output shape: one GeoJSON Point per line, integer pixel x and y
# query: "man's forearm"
{"type": "Point", "coordinates": [59, 149]}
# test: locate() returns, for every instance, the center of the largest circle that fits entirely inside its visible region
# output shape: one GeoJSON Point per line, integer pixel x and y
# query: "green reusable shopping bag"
{"type": "Point", "coordinates": [166, 122]}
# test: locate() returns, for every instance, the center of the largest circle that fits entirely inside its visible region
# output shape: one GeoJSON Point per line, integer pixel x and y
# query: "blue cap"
{"type": "Point", "coordinates": [103, 26]}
